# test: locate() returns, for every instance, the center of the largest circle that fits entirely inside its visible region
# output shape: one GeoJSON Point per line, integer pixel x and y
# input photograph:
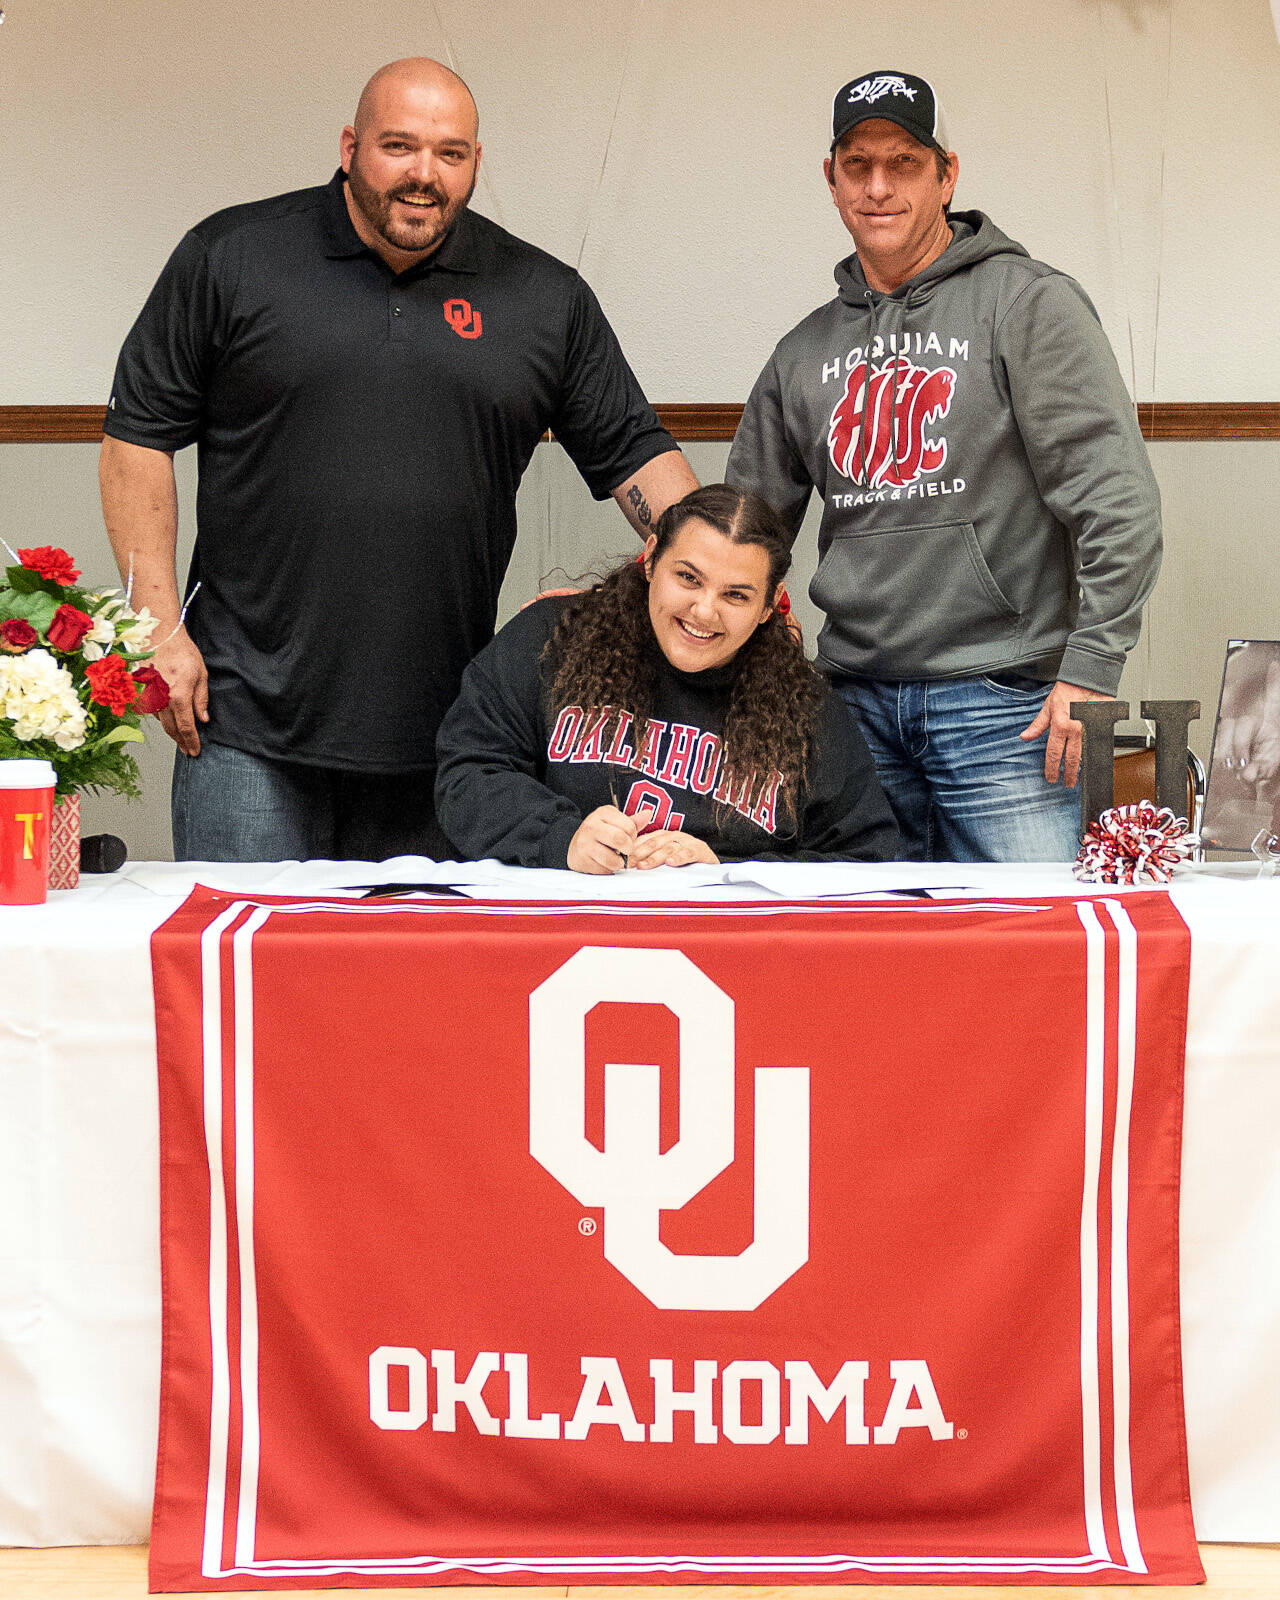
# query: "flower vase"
{"type": "Point", "coordinates": [64, 844]}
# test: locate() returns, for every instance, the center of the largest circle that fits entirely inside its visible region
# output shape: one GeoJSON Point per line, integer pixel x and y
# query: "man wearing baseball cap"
{"type": "Point", "coordinates": [990, 521]}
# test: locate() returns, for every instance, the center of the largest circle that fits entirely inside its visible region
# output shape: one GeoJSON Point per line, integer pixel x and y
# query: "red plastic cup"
{"type": "Point", "coordinates": [26, 816]}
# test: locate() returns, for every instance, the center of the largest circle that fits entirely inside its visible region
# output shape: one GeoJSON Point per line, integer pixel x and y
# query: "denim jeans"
{"type": "Point", "coordinates": [961, 784]}
{"type": "Point", "coordinates": [229, 805]}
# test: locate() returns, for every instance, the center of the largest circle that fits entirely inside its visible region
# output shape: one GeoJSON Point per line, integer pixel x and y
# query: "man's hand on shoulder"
{"type": "Point", "coordinates": [1062, 751]}
{"type": "Point", "coordinates": [547, 594]}
{"type": "Point", "coordinates": [182, 667]}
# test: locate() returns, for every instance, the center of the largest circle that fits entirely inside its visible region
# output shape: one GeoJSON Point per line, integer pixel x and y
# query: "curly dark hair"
{"type": "Point", "coordinates": [604, 653]}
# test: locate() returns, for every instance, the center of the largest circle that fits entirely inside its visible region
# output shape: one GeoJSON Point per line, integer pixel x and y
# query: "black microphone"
{"type": "Point", "coordinates": [102, 852]}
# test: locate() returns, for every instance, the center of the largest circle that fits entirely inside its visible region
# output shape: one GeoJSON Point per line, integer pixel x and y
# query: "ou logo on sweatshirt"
{"type": "Point", "coordinates": [633, 1178]}
{"type": "Point", "coordinates": [896, 401]}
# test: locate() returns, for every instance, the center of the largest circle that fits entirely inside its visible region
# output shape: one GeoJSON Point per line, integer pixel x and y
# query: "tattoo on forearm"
{"type": "Point", "coordinates": [640, 506]}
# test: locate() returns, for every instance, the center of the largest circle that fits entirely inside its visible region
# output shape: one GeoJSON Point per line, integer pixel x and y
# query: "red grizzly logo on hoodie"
{"type": "Point", "coordinates": [922, 396]}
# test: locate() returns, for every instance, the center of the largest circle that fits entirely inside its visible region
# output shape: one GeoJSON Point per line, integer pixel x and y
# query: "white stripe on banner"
{"type": "Point", "coordinates": [1094, 1084]}
{"type": "Point", "coordinates": [220, 1396]}
{"type": "Point", "coordinates": [250, 1433]}
{"type": "Point", "coordinates": [1126, 1063]}
{"type": "Point", "coordinates": [623, 1563]}
{"type": "Point", "coordinates": [798, 1566]}
{"type": "Point", "coordinates": [1098, 1557]}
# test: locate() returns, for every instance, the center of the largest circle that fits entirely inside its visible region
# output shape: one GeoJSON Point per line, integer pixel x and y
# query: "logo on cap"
{"type": "Point", "coordinates": [873, 89]}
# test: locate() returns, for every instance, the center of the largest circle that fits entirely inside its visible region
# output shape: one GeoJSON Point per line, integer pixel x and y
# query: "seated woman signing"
{"type": "Point", "coordinates": [663, 717]}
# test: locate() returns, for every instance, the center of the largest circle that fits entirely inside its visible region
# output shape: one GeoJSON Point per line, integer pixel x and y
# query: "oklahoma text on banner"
{"type": "Point", "coordinates": [776, 1244]}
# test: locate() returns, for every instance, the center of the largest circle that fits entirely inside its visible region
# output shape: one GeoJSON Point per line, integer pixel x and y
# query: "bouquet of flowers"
{"type": "Point", "coordinates": [74, 684]}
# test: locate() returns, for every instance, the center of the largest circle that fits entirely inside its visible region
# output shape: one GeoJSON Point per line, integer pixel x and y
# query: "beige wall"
{"type": "Point", "coordinates": [1134, 143]}
{"type": "Point", "coordinates": [675, 149]}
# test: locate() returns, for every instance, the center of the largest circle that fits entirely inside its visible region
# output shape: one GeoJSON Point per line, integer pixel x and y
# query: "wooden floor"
{"type": "Point", "coordinates": [1235, 1571]}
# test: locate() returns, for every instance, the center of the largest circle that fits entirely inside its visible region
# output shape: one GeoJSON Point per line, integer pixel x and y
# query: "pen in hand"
{"type": "Point", "coordinates": [605, 839]}
{"type": "Point", "coordinates": [644, 820]}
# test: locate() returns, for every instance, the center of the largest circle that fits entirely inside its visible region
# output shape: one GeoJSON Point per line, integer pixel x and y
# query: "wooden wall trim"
{"type": "Point", "coordinates": [1229, 419]}
{"type": "Point", "coordinates": [51, 424]}
{"type": "Point", "coordinates": [700, 422]}
{"type": "Point", "coordinates": [715, 421]}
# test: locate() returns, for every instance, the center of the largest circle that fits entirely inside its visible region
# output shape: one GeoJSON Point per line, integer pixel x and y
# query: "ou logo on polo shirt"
{"type": "Point", "coordinates": [632, 1178]}
{"type": "Point", "coordinates": [462, 319]}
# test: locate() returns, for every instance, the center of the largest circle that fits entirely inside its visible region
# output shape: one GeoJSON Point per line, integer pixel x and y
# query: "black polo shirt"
{"type": "Point", "coordinates": [361, 435]}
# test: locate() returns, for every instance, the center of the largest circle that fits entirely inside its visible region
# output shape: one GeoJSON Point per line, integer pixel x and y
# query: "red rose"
{"type": "Point", "coordinates": [16, 635]}
{"type": "Point", "coordinates": [68, 628]}
{"type": "Point", "coordinates": [51, 563]}
{"type": "Point", "coordinates": [111, 685]}
{"type": "Point", "coordinates": [153, 691]}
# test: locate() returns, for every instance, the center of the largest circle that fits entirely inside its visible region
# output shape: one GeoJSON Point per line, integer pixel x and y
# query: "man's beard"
{"type": "Point", "coordinates": [378, 209]}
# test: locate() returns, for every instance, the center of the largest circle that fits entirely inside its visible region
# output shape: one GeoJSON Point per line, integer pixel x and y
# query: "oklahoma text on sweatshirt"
{"type": "Point", "coordinates": [517, 775]}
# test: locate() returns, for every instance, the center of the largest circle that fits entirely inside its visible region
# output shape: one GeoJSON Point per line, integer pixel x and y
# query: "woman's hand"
{"type": "Point", "coordinates": [604, 841]}
{"type": "Point", "coordinates": [671, 849]}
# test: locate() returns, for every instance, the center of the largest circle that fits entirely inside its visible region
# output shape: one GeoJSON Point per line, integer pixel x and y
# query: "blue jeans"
{"type": "Point", "coordinates": [229, 805]}
{"type": "Point", "coordinates": [961, 784]}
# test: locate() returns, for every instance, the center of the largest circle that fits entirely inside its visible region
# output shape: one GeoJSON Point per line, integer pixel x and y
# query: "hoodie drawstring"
{"type": "Point", "coordinates": [897, 356]}
{"type": "Point", "coordinates": [866, 390]}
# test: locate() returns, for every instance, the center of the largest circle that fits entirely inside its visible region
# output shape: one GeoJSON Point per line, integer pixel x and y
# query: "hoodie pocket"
{"type": "Point", "coordinates": [913, 602]}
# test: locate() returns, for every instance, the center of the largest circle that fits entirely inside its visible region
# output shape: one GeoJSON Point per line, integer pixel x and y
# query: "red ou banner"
{"type": "Point", "coordinates": [770, 1243]}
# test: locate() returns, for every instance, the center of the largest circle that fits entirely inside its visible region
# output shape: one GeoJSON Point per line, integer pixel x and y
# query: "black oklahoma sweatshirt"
{"type": "Point", "coordinates": [517, 776]}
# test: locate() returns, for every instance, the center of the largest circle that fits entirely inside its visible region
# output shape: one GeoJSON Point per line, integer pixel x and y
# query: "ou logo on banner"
{"type": "Point", "coordinates": [632, 1179]}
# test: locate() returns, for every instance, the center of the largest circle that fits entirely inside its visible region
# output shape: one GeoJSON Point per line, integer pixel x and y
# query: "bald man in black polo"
{"type": "Point", "coordinates": [365, 369]}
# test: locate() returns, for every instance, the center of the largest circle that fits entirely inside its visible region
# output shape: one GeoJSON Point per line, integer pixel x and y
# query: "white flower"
{"type": "Point", "coordinates": [99, 638]}
{"type": "Point", "coordinates": [114, 619]}
{"type": "Point", "coordinates": [134, 630]}
{"type": "Point", "coordinates": [40, 697]}
{"type": "Point", "coordinates": [70, 736]}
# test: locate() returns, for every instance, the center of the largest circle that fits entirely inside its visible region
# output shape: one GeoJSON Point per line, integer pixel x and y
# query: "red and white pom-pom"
{"type": "Point", "coordinates": [1134, 844]}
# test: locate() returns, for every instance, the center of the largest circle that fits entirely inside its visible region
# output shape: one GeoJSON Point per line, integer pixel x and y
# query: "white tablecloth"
{"type": "Point", "coordinates": [79, 1267]}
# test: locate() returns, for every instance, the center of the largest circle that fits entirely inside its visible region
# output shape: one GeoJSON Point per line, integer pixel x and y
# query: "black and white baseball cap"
{"type": "Point", "coordinates": [897, 97]}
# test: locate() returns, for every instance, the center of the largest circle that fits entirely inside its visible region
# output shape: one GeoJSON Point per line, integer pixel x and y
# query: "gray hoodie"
{"type": "Point", "coordinates": [988, 503]}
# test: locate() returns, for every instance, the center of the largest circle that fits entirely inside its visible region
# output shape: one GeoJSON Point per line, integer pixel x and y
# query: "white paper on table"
{"type": "Point", "coordinates": [176, 879]}
{"type": "Point", "coordinates": [820, 880]}
{"type": "Point", "coordinates": [479, 880]}
{"type": "Point", "coordinates": [549, 883]}
{"type": "Point", "coordinates": [493, 880]}
{"type": "Point", "coordinates": [740, 881]}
